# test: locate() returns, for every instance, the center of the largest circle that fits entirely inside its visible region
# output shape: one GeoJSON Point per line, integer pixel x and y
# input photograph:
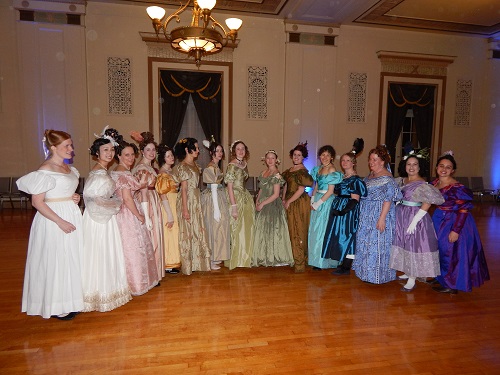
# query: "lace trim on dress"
{"type": "Point", "coordinates": [106, 302]}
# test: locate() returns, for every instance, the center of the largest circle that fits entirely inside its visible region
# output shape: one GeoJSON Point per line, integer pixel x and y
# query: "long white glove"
{"type": "Point", "coordinates": [168, 211]}
{"type": "Point", "coordinates": [413, 225]}
{"type": "Point", "coordinates": [145, 208]}
{"type": "Point", "coordinates": [312, 200]}
{"type": "Point", "coordinates": [318, 203]}
{"type": "Point", "coordinates": [215, 201]}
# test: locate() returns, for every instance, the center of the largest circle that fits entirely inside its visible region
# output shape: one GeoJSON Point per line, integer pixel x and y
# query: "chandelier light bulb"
{"type": "Point", "coordinates": [155, 12]}
{"type": "Point", "coordinates": [233, 23]}
{"type": "Point", "coordinates": [206, 4]}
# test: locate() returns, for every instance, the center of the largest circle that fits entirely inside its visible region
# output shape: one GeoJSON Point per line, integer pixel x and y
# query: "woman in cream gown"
{"type": "Point", "coordinates": [104, 277]}
{"type": "Point", "coordinates": [167, 188]}
{"type": "Point", "coordinates": [242, 207]}
{"type": "Point", "coordinates": [215, 207]}
{"type": "Point", "coordinates": [193, 244]}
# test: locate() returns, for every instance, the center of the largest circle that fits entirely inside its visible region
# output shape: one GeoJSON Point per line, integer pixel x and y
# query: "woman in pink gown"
{"type": "Point", "coordinates": [140, 262]}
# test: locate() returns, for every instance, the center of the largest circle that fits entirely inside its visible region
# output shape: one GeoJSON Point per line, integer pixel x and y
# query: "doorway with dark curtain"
{"type": "Point", "coordinates": [205, 90]}
{"type": "Point", "coordinates": [410, 119]}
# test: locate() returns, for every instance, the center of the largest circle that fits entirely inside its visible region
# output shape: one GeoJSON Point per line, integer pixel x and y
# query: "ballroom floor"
{"type": "Point", "coordinates": [258, 321]}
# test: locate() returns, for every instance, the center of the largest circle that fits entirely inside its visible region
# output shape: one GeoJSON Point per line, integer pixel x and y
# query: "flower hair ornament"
{"type": "Point", "coordinates": [136, 136]}
{"type": "Point", "coordinates": [263, 158]}
{"type": "Point", "coordinates": [207, 142]}
{"type": "Point", "coordinates": [105, 136]}
{"type": "Point", "coordinates": [422, 154]}
{"type": "Point", "coordinates": [358, 146]}
{"type": "Point", "coordinates": [449, 152]}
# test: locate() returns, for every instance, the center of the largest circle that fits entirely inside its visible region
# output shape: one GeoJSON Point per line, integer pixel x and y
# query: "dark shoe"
{"type": "Point", "coordinates": [432, 281]}
{"type": "Point", "coordinates": [316, 269]}
{"type": "Point", "coordinates": [172, 271]}
{"type": "Point", "coordinates": [403, 289]}
{"type": "Point", "coordinates": [157, 285]}
{"type": "Point", "coordinates": [341, 271]}
{"type": "Point", "coordinates": [442, 289]}
{"type": "Point", "coordinates": [70, 316]}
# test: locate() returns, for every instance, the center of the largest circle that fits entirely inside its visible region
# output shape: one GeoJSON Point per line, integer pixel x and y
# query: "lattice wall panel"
{"type": "Point", "coordinates": [257, 92]}
{"type": "Point", "coordinates": [356, 106]}
{"type": "Point", "coordinates": [119, 86]}
{"type": "Point", "coordinates": [463, 103]}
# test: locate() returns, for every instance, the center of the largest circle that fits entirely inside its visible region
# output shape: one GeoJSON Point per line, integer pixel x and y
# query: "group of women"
{"type": "Point", "coordinates": [140, 222]}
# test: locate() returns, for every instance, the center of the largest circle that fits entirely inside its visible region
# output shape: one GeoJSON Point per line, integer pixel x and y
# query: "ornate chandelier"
{"type": "Point", "coordinates": [196, 40]}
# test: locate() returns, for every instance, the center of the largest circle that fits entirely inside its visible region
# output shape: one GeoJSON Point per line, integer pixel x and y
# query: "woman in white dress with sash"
{"type": "Point", "coordinates": [52, 279]}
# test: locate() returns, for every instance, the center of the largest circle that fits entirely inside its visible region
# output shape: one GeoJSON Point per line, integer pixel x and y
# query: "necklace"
{"type": "Point", "coordinates": [326, 165]}
{"type": "Point", "coordinates": [349, 175]}
{"type": "Point", "coordinates": [58, 165]}
{"type": "Point", "coordinates": [124, 166]}
{"type": "Point", "coordinates": [103, 167]}
{"type": "Point", "coordinates": [240, 162]}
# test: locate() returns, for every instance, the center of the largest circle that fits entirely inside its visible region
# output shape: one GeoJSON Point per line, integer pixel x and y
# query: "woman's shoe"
{"type": "Point", "coordinates": [341, 271]}
{"type": "Point", "coordinates": [69, 316]}
{"type": "Point", "coordinates": [172, 271]}
{"type": "Point", "coordinates": [442, 289]}
{"type": "Point", "coordinates": [403, 277]}
{"type": "Point", "coordinates": [403, 289]}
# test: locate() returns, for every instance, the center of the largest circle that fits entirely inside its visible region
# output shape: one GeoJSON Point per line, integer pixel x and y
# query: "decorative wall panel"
{"type": "Point", "coordinates": [257, 92]}
{"type": "Point", "coordinates": [356, 105]}
{"type": "Point", "coordinates": [119, 86]}
{"type": "Point", "coordinates": [463, 103]}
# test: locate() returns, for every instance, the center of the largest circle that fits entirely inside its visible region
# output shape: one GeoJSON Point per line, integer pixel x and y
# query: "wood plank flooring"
{"type": "Point", "coordinates": [258, 321]}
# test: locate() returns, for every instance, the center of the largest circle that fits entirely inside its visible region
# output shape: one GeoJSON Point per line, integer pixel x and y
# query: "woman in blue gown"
{"type": "Point", "coordinates": [340, 235]}
{"type": "Point", "coordinates": [325, 177]}
{"type": "Point", "coordinates": [461, 255]}
{"type": "Point", "coordinates": [377, 221]}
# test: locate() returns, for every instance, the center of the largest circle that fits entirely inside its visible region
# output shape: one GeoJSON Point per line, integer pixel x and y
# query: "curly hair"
{"type": "Point", "coordinates": [147, 138]}
{"type": "Point", "coordinates": [449, 158]}
{"type": "Point", "coordinates": [233, 150]}
{"type": "Point", "coordinates": [382, 152]}
{"type": "Point", "coordinates": [327, 148]}
{"type": "Point", "coordinates": [123, 145]}
{"type": "Point", "coordinates": [96, 145]}
{"type": "Point", "coordinates": [302, 147]}
{"type": "Point", "coordinates": [423, 166]}
{"type": "Point", "coordinates": [183, 144]}
{"type": "Point", "coordinates": [162, 151]}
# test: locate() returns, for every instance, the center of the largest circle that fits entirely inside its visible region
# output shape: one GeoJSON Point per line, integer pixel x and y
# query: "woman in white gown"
{"type": "Point", "coordinates": [52, 280]}
{"type": "Point", "coordinates": [104, 278]}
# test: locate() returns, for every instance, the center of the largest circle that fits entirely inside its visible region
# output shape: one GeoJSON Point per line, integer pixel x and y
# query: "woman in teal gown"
{"type": "Point", "coordinates": [242, 207]}
{"type": "Point", "coordinates": [271, 241]}
{"type": "Point", "coordinates": [325, 177]}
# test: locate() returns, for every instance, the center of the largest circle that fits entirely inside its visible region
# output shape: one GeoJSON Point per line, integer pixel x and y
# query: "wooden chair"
{"type": "Point", "coordinates": [463, 180]}
{"type": "Point", "coordinates": [4, 190]}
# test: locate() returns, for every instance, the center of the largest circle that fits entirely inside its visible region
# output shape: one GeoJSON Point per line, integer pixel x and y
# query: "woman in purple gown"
{"type": "Point", "coordinates": [414, 250]}
{"type": "Point", "coordinates": [461, 255]}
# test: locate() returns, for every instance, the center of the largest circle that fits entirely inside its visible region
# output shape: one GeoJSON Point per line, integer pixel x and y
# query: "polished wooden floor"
{"type": "Point", "coordinates": [258, 321]}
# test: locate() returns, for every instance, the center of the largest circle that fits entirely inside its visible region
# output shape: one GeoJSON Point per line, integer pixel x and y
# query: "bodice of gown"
{"type": "Point", "coordinates": [189, 173]}
{"type": "Point", "coordinates": [125, 180]}
{"type": "Point", "coordinates": [212, 175]}
{"type": "Point", "coordinates": [419, 191]}
{"type": "Point", "coordinates": [457, 197]}
{"type": "Point", "coordinates": [294, 179]}
{"type": "Point", "coordinates": [237, 176]}
{"type": "Point", "coordinates": [383, 189]}
{"type": "Point", "coordinates": [98, 196]}
{"type": "Point", "coordinates": [165, 183]}
{"type": "Point", "coordinates": [323, 180]}
{"type": "Point", "coordinates": [143, 169]}
{"type": "Point", "coordinates": [53, 184]}
{"type": "Point", "coordinates": [266, 185]}
{"type": "Point", "coordinates": [351, 185]}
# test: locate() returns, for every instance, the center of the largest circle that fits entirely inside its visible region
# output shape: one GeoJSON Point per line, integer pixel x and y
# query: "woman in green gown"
{"type": "Point", "coordinates": [271, 241]}
{"type": "Point", "coordinates": [242, 207]}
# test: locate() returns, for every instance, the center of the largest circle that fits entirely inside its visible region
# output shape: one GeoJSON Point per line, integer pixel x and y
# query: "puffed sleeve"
{"type": "Point", "coordinates": [100, 207]}
{"type": "Point", "coordinates": [127, 181]}
{"type": "Point", "coordinates": [210, 175]}
{"type": "Point", "coordinates": [277, 179]}
{"type": "Point", "coordinates": [392, 193]}
{"type": "Point", "coordinates": [230, 176]}
{"type": "Point", "coordinates": [358, 187]}
{"type": "Point", "coordinates": [334, 178]}
{"type": "Point", "coordinates": [303, 178]}
{"type": "Point", "coordinates": [463, 204]}
{"type": "Point", "coordinates": [181, 173]}
{"type": "Point", "coordinates": [426, 193]}
{"type": "Point", "coordinates": [37, 182]}
{"type": "Point", "coordinates": [399, 181]}
{"type": "Point", "coordinates": [314, 173]}
{"type": "Point", "coordinates": [165, 184]}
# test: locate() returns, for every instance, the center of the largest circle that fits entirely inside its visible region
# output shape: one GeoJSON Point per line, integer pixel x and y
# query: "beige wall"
{"type": "Point", "coordinates": [307, 91]}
